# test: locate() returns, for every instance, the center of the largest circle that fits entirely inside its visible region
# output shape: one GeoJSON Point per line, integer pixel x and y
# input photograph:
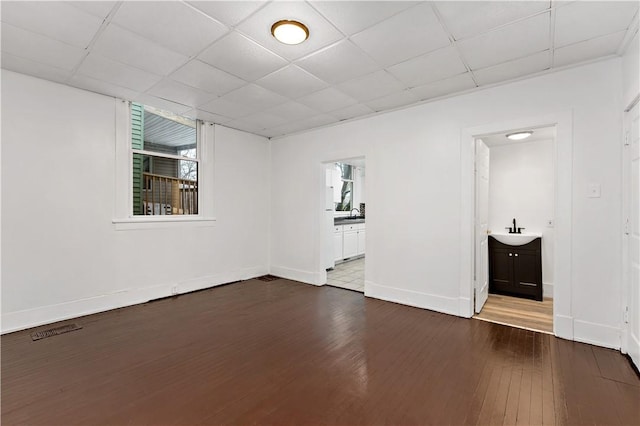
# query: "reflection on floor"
{"type": "Point", "coordinates": [349, 275]}
{"type": "Point", "coordinates": [518, 312]}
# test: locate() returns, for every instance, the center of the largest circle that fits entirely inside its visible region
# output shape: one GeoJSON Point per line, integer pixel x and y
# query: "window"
{"type": "Point", "coordinates": [165, 162]}
{"type": "Point", "coordinates": [346, 192]}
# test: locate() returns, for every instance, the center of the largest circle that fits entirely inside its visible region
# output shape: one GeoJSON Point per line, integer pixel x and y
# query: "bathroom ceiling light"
{"type": "Point", "coordinates": [518, 136]}
{"type": "Point", "coordinates": [290, 32]}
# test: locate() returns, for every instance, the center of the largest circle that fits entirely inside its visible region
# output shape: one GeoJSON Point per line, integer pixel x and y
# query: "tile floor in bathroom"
{"type": "Point", "coordinates": [349, 275]}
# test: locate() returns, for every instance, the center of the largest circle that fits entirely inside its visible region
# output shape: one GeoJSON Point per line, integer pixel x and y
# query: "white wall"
{"type": "Point", "coordinates": [521, 186]}
{"type": "Point", "coordinates": [413, 160]}
{"type": "Point", "coordinates": [631, 71]}
{"type": "Point", "coordinates": [63, 257]}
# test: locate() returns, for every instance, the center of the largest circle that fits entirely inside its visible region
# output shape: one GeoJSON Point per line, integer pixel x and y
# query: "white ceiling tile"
{"type": "Point", "coordinates": [162, 104]}
{"type": "Point", "coordinates": [419, 32]}
{"type": "Point", "coordinates": [206, 116]}
{"type": "Point", "coordinates": [242, 57]}
{"type": "Point", "coordinates": [328, 99]}
{"type": "Point", "coordinates": [510, 42]}
{"type": "Point", "coordinates": [308, 123]}
{"type": "Point", "coordinates": [180, 93]}
{"type": "Point", "coordinates": [36, 69]}
{"type": "Point", "coordinates": [263, 120]}
{"type": "Point", "coordinates": [340, 62]}
{"type": "Point", "coordinates": [292, 82]}
{"type": "Point", "coordinates": [99, 9]}
{"type": "Point", "coordinates": [102, 87]}
{"type": "Point", "coordinates": [351, 17]}
{"type": "Point", "coordinates": [371, 86]}
{"type": "Point", "coordinates": [352, 111]}
{"type": "Point", "coordinates": [321, 32]}
{"type": "Point", "coordinates": [245, 126]}
{"type": "Point", "coordinates": [292, 111]}
{"type": "Point", "coordinates": [228, 12]}
{"type": "Point", "coordinates": [124, 46]}
{"type": "Point", "coordinates": [470, 18]}
{"type": "Point", "coordinates": [513, 69]}
{"type": "Point", "coordinates": [582, 20]}
{"type": "Point", "coordinates": [115, 73]}
{"type": "Point", "coordinates": [203, 76]}
{"type": "Point", "coordinates": [392, 101]}
{"type": "Point", "coordinates": [172, 24]}
{"type": "Point", "coordinates": [256, 96]}
{"type": "Point", "coordinates": [433, 66]}
{"type": "Point", "coordinates": [589, 49]}
{"type": "Point", "coordinates": [69, 24]}
{"type": "Point", "coordinates": [226, 108]}
{"type": "Point", "coordinates": [38, 48]}
{"type": "Point", "coordinates": [444, 87]}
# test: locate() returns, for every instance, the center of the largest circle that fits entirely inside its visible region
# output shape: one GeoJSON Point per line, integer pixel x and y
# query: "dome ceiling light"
{"type": "Point", "coordinates": [518, 136]}
{"type": "Point", "coordinates": [290, 32]}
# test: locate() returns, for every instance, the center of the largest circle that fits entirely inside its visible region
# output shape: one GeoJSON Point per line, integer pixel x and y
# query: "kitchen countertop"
{"type": "Point", "coordinates": [342, 221]}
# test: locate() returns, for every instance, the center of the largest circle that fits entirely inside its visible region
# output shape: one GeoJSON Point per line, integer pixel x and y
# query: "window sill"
{"type": "Point", "coordinates": [161, 222]}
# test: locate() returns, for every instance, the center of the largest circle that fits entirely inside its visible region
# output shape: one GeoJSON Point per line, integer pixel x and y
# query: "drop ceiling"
{"type": "Point", "coordinates": [217, 60]}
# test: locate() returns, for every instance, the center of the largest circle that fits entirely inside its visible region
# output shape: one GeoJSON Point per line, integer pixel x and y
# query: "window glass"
{"type": "Point", "coordinates": [165, 162]}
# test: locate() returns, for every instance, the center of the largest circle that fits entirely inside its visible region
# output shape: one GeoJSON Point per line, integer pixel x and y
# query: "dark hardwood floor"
{"type": "Point", "coordinates": [286, 353]}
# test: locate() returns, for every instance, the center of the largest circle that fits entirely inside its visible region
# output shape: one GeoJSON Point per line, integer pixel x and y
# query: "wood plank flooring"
{"type": "Point", "coordinates": [282, 353]}
{"type": "Point", "coordinates": [518, 312]}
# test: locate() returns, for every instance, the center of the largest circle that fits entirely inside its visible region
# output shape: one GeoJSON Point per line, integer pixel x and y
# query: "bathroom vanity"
{"type": "Point", "coordinates": [515, 265]}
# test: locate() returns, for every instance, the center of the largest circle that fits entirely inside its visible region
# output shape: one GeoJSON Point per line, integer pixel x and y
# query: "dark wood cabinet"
{"type": "Point", "coordinates": [516, 270]}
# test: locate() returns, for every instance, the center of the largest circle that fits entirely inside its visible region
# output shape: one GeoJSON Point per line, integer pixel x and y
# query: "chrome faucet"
{"type": "Point", "coordinates": [351, 213]}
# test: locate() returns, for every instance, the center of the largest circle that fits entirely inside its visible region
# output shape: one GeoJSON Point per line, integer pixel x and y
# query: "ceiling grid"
{"type": "Point", "coordinates": [217, 60]}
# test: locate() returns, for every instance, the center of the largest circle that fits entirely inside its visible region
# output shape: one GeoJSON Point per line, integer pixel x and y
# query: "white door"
{"type": "Point", "coordinates": [631, 176]}
{"type": "Point", "coordinates": [481, 226]}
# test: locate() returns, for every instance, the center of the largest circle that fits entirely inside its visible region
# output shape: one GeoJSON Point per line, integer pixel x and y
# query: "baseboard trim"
{"type": "Point", "coordinates": [307, 277]}
{"type": "Point", "coordinates": [465, 309]}
{"type": "Point", "coordinates": [547, 290]}
{"type": "Point", "coordinates": [445, 305]}
{"type": "Point", "coordinates": [28, 318]}
{"type": "Point", "coordinates": [634, 350]}
{"type": "Point", "coordinates": [596, 334]}
{"type": "Point", "coordinates": [563, 326]}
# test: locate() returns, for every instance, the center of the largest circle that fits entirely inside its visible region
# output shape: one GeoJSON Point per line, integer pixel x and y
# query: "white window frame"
{"type": "Point", "coordinates": [123, 217]}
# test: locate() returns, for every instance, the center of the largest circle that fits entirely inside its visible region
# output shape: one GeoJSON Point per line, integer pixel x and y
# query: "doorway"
{"type": "Point", "coordinates": [514, 227]}
{"type": "Point", "coordinates": [345, 223]}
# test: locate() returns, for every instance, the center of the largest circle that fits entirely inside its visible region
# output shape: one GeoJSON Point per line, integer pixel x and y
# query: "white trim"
{"type": "Point", "coordinates": [163, 155]}
{"type": "Point", "coordinates": [123, 217]}
{"type": "Point", "coordinates": [20, 320]}
{"type": "Point", "coordinates": [308, 277]}
{"type": "Point", "coordinates": [563, 326]}
{"type": "Point", "coordinates": [432, 302]}
{"type": "Point", "coordinates": [563, 205]}
{"type": "Point", "coordinates": [547, 290]}
{"type": "Point", "coordinates": [596, 334]}
{"type": "Point", "coordinates": [161, 222]}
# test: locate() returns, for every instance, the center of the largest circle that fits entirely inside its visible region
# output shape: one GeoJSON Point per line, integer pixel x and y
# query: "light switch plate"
{"type": "Point", "coordinates": [593, 190]}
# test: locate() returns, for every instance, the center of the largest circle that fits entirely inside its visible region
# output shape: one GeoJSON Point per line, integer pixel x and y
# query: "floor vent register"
{"type": "Point", "coordinates": [43, 334]}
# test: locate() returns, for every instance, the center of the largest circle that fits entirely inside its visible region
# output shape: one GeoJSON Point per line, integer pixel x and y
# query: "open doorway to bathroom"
{"type": "Point", "coordinates": [515, 182]}
{"type": "Point", "coordinates": [345, 223]}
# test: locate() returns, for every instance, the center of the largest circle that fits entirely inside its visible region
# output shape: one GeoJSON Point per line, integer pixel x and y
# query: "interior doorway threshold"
{"type": "Point", "coordinates": [517, 312]}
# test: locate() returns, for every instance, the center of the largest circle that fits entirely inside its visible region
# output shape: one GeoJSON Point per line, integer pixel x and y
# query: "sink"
{"type": "Point", "coordinates": [515, 239]}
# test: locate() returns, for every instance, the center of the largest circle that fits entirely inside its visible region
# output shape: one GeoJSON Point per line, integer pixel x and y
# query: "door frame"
{"type": "Point", "coordinates": [321, 273]}
{"type": "Point", "coordinates": [563, 160]}
{"type": "Point", "coordinates": [627, 198]}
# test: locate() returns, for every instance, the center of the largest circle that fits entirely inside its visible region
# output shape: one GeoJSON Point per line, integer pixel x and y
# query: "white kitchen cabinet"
{"type": "Point", "coordinates": [350, 243]}
{"type": "Point", "coordinates": [361, 241]}
{"type": "Point", "coordinates": [337, 243]}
